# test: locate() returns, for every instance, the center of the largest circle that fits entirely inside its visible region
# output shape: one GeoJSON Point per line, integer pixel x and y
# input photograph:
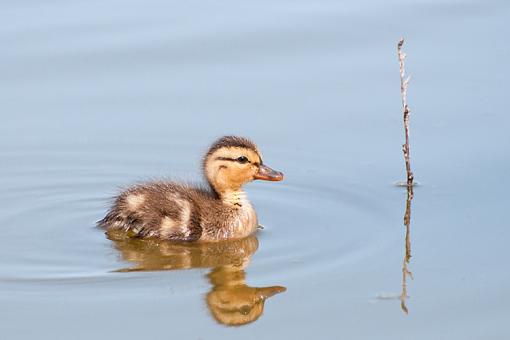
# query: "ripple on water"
{"type": "Point", "coordinates": [52, 211]}
{"type": "Point", "coordinates": [315, 230]}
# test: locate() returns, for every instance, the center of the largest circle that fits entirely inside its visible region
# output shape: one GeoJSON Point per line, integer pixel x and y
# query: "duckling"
{"type": "Point", "coordinates": [182, 212]}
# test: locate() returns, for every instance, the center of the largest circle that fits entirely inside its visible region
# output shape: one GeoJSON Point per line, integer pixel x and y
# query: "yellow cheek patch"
{"type": "Point", "coordinates": [225, 172]}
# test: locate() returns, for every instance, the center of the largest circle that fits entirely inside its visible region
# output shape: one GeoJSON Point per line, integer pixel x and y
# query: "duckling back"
{"type": "Point", "coordinates": [160, 209]}
{"type": "Point", "coordinates": [178, 212]}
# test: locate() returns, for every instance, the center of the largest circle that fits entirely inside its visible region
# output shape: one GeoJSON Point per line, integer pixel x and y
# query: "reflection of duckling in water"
{"type": "Point", "coordinates": [178, 212]}
{"type": "Point", "coordinates": [231, 301]}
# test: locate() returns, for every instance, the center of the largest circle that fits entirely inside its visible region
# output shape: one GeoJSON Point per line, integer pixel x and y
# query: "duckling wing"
{"type": "Point", "coordinates": [163, 210]}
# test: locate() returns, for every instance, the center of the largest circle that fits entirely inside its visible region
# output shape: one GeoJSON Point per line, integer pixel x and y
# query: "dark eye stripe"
{"type": "Point", "coordinates": [241, 159]}
{"type": "Point", "coordinates": [225, 159]}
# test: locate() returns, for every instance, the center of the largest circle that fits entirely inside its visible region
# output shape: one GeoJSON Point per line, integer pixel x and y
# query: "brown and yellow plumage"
{"type": "Point", "coordinates": [180, 212]}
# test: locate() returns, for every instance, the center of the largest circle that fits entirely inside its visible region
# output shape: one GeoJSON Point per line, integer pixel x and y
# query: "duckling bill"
{"type": "Point", "coordinates": [181, 212]}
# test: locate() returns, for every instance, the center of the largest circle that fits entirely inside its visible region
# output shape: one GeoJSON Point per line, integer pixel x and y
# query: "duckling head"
{"type": "Point", "coordinates": [233, 161]}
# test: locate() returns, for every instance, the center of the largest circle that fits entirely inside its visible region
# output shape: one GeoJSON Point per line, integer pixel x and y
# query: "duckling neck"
{"type": "Point", "coordinates": [234, 198]}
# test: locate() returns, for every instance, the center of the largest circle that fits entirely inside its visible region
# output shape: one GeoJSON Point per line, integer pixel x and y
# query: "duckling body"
{"type": "Point", "coordinates": [181, 212]}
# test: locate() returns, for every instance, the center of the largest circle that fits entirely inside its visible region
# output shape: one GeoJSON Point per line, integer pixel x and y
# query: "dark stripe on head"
{"type": "Point", "coordinates": [241, 159]}
{"type": "Point", "coordinates": [226, 159]}
{"type": "Point", "coordinates": [232, 142]}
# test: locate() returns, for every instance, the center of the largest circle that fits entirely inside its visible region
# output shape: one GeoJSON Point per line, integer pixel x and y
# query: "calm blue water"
{"type": "Point", "coordinates": [96, 95]}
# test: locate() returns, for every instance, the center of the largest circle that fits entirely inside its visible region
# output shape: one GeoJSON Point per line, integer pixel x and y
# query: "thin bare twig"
{"type": "Point", "coordinates": [404, 82]}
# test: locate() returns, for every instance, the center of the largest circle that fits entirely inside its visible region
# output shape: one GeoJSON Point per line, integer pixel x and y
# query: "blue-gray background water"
{"type": "Point", "coordinates": [95, 95]}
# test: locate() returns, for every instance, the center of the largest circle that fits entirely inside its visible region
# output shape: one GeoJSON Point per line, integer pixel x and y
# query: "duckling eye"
{"type": "Point", "coordinates": [243, 160]}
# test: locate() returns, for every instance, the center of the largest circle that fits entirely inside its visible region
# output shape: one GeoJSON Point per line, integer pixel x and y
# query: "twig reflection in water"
{"type": "Point", "coordinates": [407, 257]}
{"type": "Point", "coordinates": [231, 301]}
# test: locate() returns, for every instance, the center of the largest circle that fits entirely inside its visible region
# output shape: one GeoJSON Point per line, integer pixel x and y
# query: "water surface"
{"type": "Point", "coordinates": [98, 95]}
